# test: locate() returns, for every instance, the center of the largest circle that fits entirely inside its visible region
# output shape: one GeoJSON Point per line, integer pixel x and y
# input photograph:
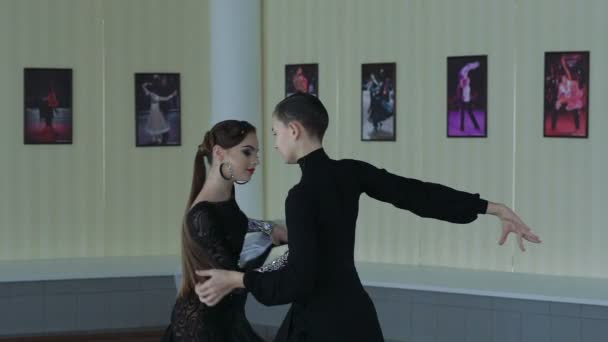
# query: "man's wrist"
{"type": "Point", "coordinates": [237, 280]}
{"type": "Point", "coordinates": [495, 209]}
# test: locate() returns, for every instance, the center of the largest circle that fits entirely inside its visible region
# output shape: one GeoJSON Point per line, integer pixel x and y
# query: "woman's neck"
{"type": "Point", "coordinates": [215, 189]}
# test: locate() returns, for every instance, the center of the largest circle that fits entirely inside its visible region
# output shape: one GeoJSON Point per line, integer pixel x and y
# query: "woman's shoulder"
{"type": "Point", "coordinates": [199, 206]}
{"type": "Point", "coordinates": [207, 208]}
{"type": "Point", "coordinates": [201, 218]}
{"type": "Point", "coordinates": [201, 211]}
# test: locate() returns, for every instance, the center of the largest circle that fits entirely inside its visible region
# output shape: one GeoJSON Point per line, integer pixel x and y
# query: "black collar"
{"type": "Point", "coordinates": [313, 158]}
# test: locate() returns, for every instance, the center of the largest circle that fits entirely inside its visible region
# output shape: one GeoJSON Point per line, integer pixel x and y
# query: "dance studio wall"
{"type": "Point", "coordinates": [100, 196]}
{"type": "Point", "coordinates": [555, 184]}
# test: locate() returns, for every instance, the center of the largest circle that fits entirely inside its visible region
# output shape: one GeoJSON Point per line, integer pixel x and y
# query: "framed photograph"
{"type": "Point", "coordinates": [47, 106]}
{"type": "Point", "coordinates": [302, 78]}
{"type": "Point", "coordinates": [467, 96]}
{"type": "Point", "coordinates": [378, 104]}
{"type": "Point", "coordinates": [566, 105]}
{"type": "Point", "coordinates": [157, 109]}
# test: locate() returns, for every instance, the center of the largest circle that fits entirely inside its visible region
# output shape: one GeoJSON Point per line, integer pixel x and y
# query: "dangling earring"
{"type": "Point", "coordinates": [229, 169]}
{"type": "Point", "coordinates": [231, 174]}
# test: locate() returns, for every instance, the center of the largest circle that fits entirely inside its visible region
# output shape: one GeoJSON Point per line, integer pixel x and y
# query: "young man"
{"type": "Point", "coordinates": [319, 277]}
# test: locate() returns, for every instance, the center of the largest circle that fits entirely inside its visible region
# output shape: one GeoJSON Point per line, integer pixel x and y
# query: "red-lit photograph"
{"type": "Point", "coordinates": [47, 109]}
{"type": "Point", "coordinates": [566, 105]}
{"type": "Point", "coordinates": [303, 78]}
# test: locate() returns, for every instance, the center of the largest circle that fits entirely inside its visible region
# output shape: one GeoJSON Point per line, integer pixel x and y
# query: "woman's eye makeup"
{"type": "Point", "coordinates": [248, 152]}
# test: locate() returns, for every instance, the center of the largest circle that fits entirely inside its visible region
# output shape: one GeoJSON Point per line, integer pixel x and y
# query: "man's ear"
{"type": "Point", "coordinates": [295, 129]}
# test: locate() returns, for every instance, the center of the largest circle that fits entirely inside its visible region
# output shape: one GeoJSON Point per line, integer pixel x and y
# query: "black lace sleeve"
{"type": "Point", "coordinates": [207, 231]}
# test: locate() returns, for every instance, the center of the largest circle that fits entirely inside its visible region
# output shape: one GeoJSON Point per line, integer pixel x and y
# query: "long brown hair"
{"type": "Point", "coordinates": [225, 134]}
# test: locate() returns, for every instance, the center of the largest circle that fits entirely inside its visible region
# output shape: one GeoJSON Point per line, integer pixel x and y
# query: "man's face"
{"type": "Point", "coordinates": [284, 140]}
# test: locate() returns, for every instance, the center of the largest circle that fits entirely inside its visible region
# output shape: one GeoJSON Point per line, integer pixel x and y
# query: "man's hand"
{"type": "Point", "coordinates": [511, 223]}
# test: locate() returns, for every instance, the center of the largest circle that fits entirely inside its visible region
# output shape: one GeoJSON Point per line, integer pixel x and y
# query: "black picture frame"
{"type": "Point", "coordinates": [566, 94]}
{"type": "Point", "coordinates": [302, 78]}
{"type": "Point", "coordinates": [467, 92]}
{"type": "Point", "coordinates": [47, 106]}
{"type": "Point", "coordinates": [157, 109]}
{"type": "Point", "coordinates": [378, 102]}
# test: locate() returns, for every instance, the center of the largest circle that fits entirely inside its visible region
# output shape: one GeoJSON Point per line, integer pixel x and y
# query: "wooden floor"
{"type": "Point", "coordinates": [141, 336]}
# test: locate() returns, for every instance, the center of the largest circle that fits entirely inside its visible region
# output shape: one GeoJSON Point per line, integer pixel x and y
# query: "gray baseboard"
{"type": "Point", "coordinates": [40, 307]}
{"type": "Point", "coordinates": [51, 307]}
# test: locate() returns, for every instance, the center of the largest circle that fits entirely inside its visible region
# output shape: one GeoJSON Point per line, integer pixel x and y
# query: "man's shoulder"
{"type": "Point", "coordinates": [299, 190]}
{"type": "Point", "coordinates": [351, 164]}
{"type": "Point", "coordinates": [348, 161]}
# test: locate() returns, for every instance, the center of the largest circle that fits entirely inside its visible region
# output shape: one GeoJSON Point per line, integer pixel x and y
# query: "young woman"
{"type": "Point", "coordinates": [213, 232]}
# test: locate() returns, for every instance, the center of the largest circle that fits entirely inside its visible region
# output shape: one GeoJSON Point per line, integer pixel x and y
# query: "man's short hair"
{"type": "Point", "coordinates": [307, 109]}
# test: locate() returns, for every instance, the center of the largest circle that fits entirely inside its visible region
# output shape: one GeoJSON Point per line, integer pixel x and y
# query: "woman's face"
{"type": "Point", "coordinates": [243, 157]}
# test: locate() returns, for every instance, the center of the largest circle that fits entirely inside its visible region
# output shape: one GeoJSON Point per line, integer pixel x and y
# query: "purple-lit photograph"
{"type": "Point", "coordinates": [467, 99]}
{"type": "Point", "coordinates": [157, 109]}
{"type": "Point", "coordinates": [47, 117]}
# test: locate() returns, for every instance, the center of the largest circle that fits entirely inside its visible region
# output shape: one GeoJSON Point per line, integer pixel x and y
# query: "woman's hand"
{"type": "Point", "coordinates": [279, 235]}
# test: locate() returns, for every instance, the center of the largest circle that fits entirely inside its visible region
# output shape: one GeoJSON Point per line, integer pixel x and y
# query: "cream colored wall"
{"type": "Point", "coordinates": [100, 196]}
{"type": "Point", "coordinates": [553, 183]}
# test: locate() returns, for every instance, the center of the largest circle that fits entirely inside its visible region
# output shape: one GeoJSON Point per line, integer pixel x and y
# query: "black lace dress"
{"type": "Point", "coordinates": [220, 228]}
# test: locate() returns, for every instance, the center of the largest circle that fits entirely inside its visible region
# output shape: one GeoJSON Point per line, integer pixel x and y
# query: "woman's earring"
{"type": "Point", "coordinates": [231, 174]}
{"type": "Point", "coordinates": [229, 170]}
